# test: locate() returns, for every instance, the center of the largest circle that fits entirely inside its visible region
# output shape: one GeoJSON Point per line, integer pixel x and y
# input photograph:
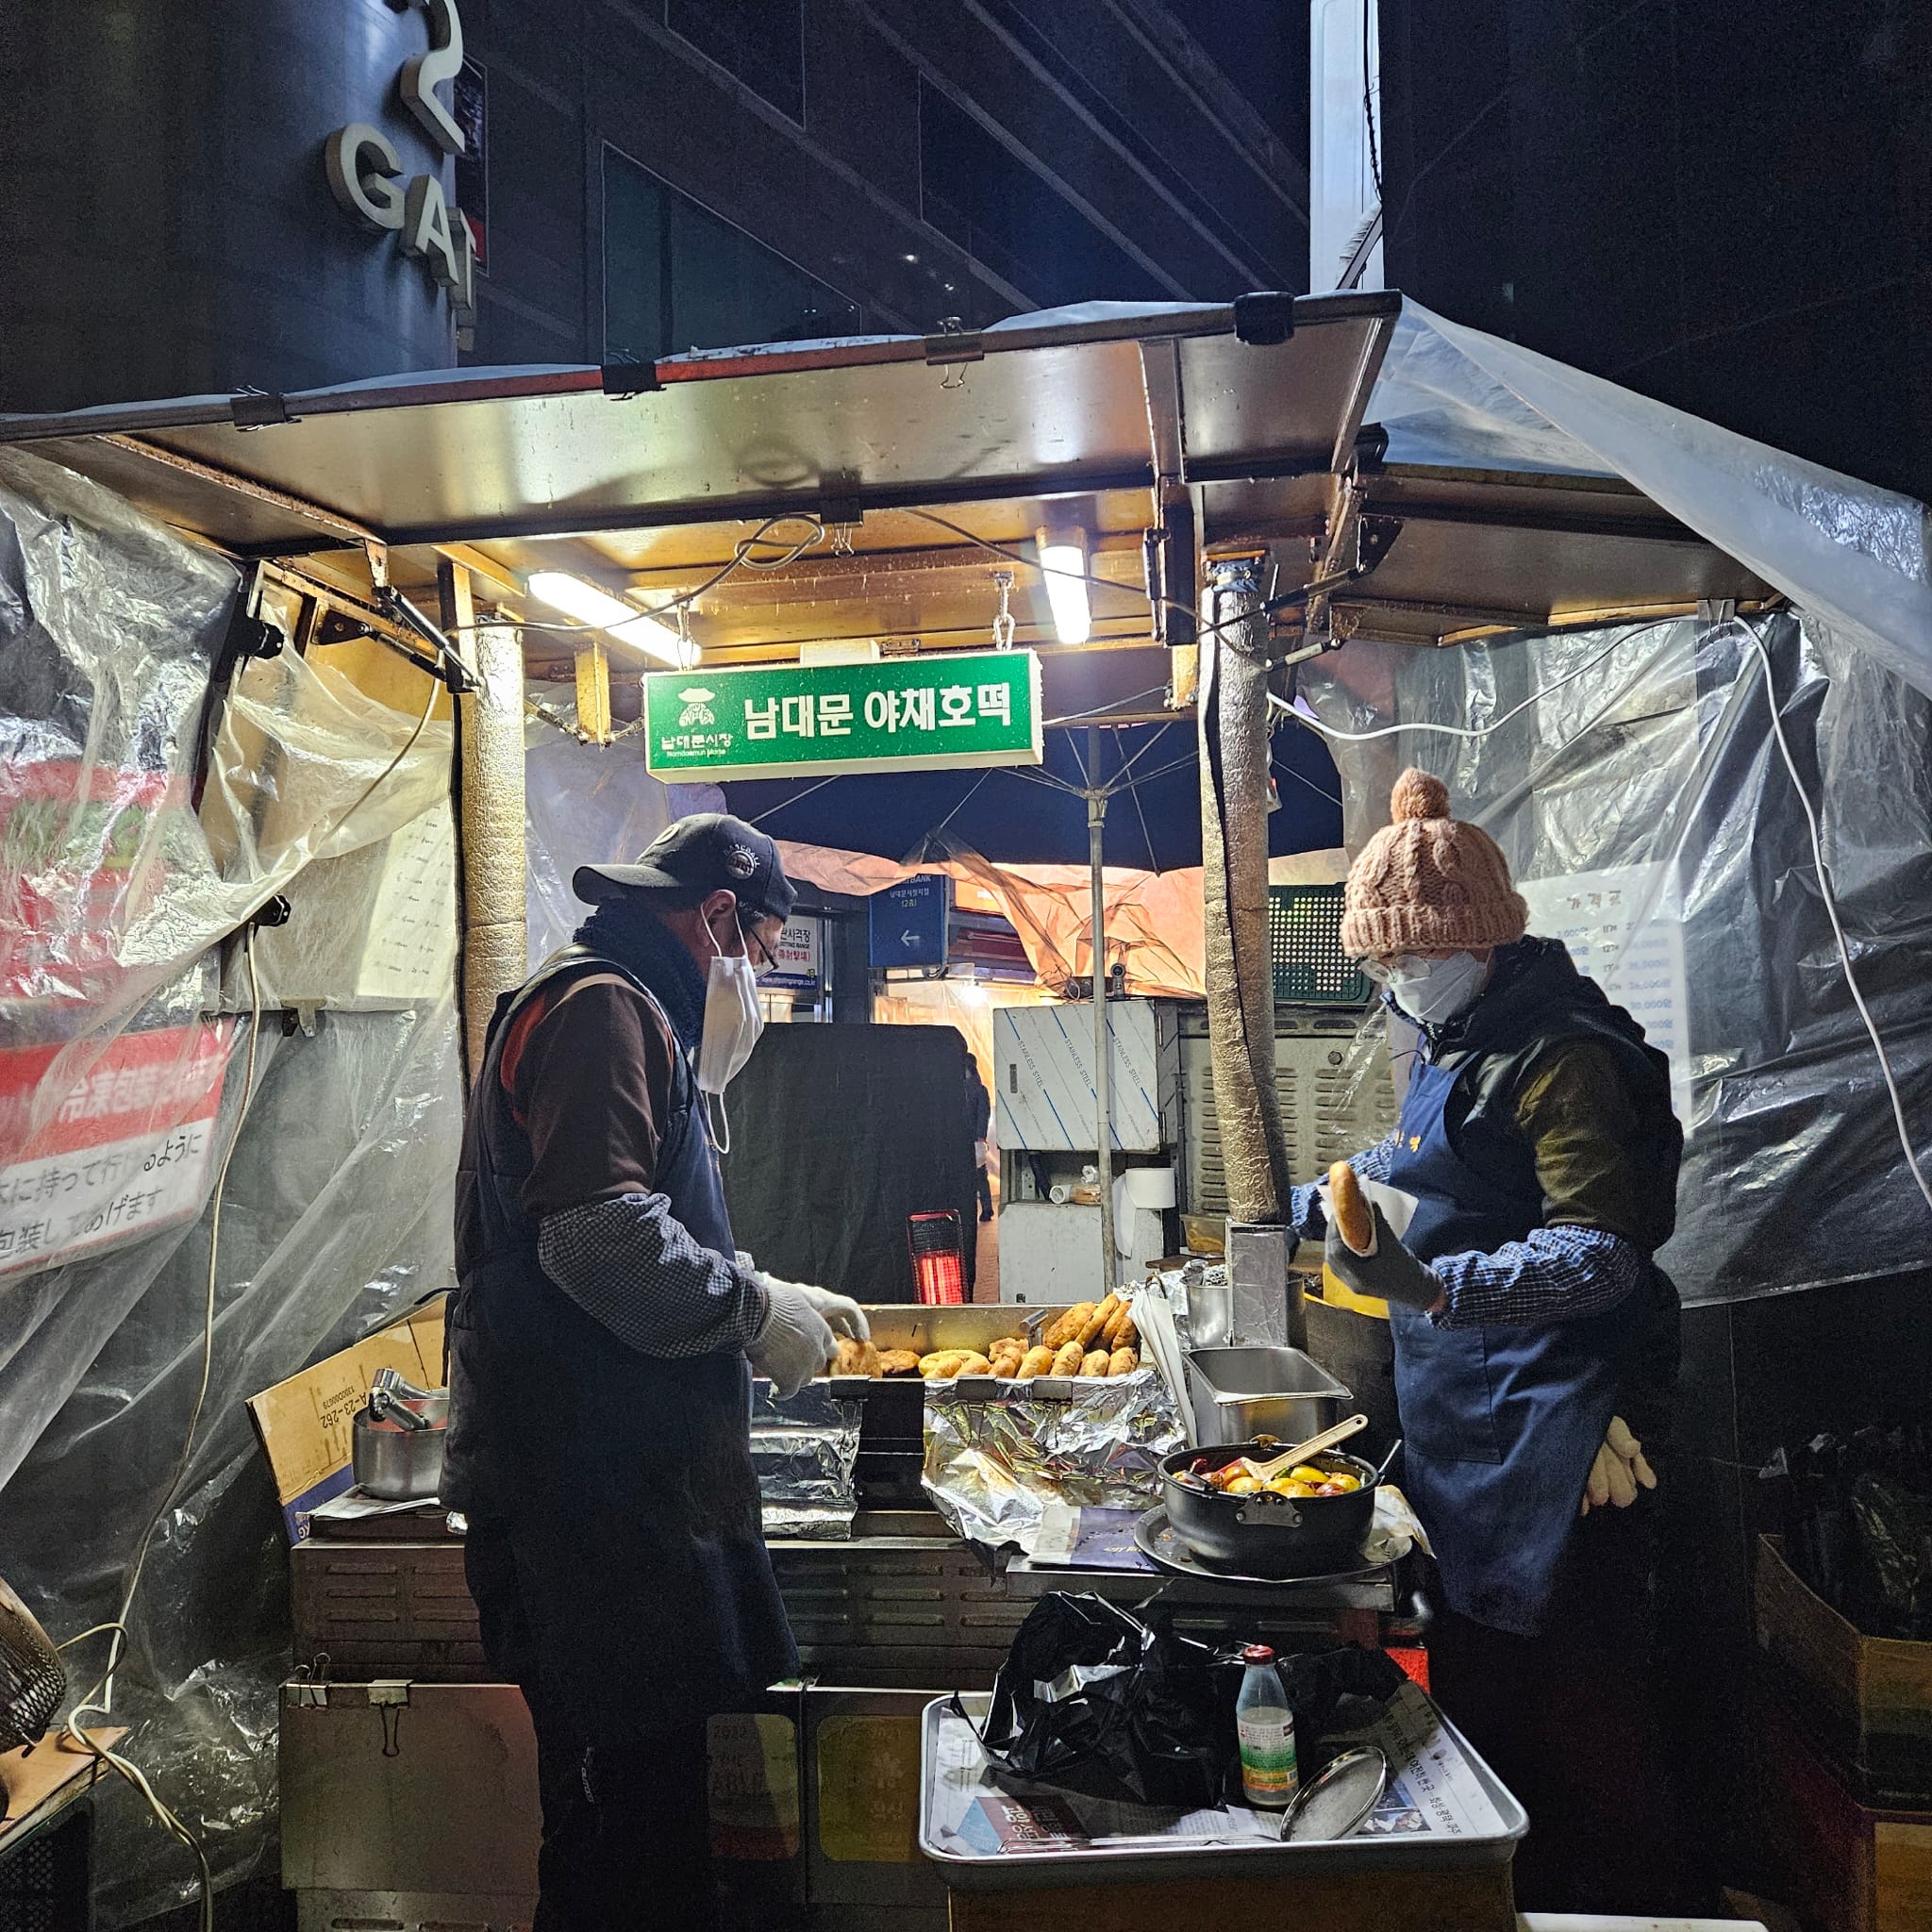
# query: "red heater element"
{"type": "Point", "coordinates": [938, 1259]}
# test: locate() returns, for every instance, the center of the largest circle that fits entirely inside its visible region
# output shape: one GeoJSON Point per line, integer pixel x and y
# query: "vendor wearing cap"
{"type": "Point", "coordinates": [602, 1341]}
{"type": "Point", "coordinates": [1536, 1338]}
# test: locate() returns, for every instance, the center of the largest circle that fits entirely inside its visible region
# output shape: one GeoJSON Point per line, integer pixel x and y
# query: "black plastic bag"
{"type": "Point", "coordinates": [1895, 1543]}
{"type": "Point", "coordinates": [1094, 1701]}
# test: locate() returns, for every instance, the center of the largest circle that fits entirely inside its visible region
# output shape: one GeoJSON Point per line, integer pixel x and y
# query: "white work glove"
{"type": "Point", "coordinates": [796, 1342]}
{"type": "Point", "coordinates": [844, 1315]}
{"type": "Point", "coordinates": [1619, 1468]}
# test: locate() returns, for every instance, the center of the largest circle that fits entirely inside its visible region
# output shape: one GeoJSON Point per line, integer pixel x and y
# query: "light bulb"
{"type": "Point", "coordinates": [622, 623]}
{"type": "Point", "coordinates": [1063, 562]}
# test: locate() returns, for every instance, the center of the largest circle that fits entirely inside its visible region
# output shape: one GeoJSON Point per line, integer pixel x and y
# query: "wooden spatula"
{"type": "Point", "coordinates": [1341, 1432]}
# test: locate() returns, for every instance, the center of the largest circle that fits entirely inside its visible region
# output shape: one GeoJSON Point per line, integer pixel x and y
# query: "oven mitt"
{"type": "Point", "coordinates": [1619, 1469]}
{"type": "Point", "coordinates": [1387, 1272]}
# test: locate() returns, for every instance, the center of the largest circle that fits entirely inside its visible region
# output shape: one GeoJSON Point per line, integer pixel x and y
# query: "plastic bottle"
{"type": "Point", "coordinates": [1265, 1726]}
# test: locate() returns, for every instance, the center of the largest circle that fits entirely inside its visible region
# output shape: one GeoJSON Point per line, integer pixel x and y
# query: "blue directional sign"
{"type": "Point", "coordinates": [908, 922]}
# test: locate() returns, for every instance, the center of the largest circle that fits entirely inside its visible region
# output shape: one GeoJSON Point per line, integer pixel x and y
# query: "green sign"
{"type": "Point", "coordinates": [942, 712]}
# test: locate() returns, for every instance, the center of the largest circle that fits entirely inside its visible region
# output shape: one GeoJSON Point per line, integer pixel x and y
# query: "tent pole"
{"type": "Point", "coordinates": [1103, 1084]}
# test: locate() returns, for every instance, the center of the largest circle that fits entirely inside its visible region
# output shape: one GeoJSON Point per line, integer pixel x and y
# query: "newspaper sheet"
{"type": "Point", "coordinates": [1434, 1791]}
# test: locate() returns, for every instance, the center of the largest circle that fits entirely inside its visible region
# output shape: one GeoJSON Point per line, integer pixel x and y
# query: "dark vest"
{"type": "Point", "coordinates": [624, 1480]}
{"type": "Point", "coordinates": [1502, 1424]}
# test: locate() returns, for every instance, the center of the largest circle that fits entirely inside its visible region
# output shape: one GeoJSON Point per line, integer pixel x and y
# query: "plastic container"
{"type": "Point", "coordinates": [1265, 1726]}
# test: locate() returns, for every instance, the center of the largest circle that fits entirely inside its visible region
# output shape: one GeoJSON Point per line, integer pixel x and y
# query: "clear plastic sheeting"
{"type": "Point", "coordinates": [588, 805]}
{"type": "Point", "coordinates": [994, 1463]}
{"type": "Point", "coordinates": [1651, 823]}
{"type": "Point", "coordinates": [118, 900]}
{"type": "Point", "coordinates": [1853, 556]}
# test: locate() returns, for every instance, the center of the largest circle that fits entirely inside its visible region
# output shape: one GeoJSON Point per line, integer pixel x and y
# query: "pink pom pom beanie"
{"type": "Point", "coordinates": [1429, 882]}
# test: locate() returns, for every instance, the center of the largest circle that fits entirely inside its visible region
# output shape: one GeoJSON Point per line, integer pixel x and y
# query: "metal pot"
{"type": "Point", "coordinates": [1266, 1535]}
{"type": "Point", "coordinates": [396, 1463]}
{"type": "Point", "coordinates": [1239, 1394]}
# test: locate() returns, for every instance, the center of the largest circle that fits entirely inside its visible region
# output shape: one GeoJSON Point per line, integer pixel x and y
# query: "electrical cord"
{"type": "Point", "coordinates": [1830, 898]}
{"type": "Point", "coordinates": [99, 1701]}
{"type": "Point", "coordinates": [1321, 587]}
{"type": "Point", "coordinates": [1281, 704]}
{"type": "Point", "coordinates": [1824, 886]}
{"type": "Point", "coordinates": [1369, 96]}
{"type": "Point", "coordinates": [742, 559]}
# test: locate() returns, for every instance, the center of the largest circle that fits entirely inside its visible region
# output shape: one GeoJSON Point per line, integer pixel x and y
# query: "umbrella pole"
{"type": "Point", "coordinates": [1103, 1084]}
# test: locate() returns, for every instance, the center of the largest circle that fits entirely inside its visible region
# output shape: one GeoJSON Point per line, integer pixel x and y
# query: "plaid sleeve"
{"type": "Point", "coordinates": [1554, 1275]}
{"type": "Point", "coordinates": [1305, 1204]}
{"type": "Point", "coordinates": [632, 1265]}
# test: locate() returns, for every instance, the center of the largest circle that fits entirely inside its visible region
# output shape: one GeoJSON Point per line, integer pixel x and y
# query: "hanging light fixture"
{"type": "Point", "coordinates": [623, 624]}
{"type": "Point", "coordinates": [1063, 563]}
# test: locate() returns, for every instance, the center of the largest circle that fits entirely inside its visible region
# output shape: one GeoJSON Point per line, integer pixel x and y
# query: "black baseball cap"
{"type": "Point", "coordinates": [708, 852]}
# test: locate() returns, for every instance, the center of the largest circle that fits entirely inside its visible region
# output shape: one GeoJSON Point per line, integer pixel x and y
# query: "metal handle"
{"type": "Point", "coordinates": [387, 1406]}
{"type": "Point", "coordinates": [392, 1381]}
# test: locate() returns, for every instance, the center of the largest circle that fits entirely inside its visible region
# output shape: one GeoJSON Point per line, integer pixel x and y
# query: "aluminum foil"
{"type": "Point", "coordinates": [806, 1451]}
{"type": "Point", "coordinates": [992, 1464]}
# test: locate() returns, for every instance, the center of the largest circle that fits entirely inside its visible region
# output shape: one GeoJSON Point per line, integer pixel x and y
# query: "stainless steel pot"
{"type": "Point", "coordinates": [1267, 1535]}
{"type": "Point", "coordinates": [396, 1463]}
{"type": "Point", "coordinates": [1239, 1394]}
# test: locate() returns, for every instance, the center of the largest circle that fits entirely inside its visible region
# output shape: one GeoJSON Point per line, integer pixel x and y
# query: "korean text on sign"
{"type": "Point", "coordinates": [920, 707]}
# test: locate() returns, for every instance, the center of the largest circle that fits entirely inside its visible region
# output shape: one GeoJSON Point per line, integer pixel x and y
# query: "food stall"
{"type": "Point", "coordinates": [1338, 486]}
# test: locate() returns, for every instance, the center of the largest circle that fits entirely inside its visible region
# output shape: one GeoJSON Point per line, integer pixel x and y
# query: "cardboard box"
{"type": "Point", "coordinates": [304, 1423]}
{"type": "Point", "coordinates": [1866, 1700]}
{"type": "Point", "coordinates": [1845, 1865]}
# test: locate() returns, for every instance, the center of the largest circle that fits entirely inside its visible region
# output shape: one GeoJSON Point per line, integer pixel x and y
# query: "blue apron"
{"type": "Point", "coordinates": [624, 1480]}
{"type": "Point", "coordinates": [1500, 1424]}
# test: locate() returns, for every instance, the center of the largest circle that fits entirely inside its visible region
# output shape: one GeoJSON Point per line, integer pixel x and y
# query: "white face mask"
{"type": "Point", "coordinates": [1433, 991]}
{"type": "Point", "coordinates": [733, 1021]}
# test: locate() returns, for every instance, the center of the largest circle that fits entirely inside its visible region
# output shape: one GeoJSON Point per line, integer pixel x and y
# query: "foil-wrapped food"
{"type": "Point", "coordinates": [992, 1464]}
{"type": "Point", "coordinates": [806, 1451]}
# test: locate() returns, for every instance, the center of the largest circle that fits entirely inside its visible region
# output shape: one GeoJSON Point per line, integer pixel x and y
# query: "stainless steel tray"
{"type": "Point", "coordinates": [1157, 1539]}
{"type": "Point", "coordinates": [1189, 1858]}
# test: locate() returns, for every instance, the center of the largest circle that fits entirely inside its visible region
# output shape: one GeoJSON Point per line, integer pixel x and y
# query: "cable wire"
{"type": "Point", "coordinates": [99, 1700]}
{"type": "Point", "coordinates": [1300, 717]}
{"type": "Point", "coordinates": [742, 559]}
{"type": "Point", "coordinates": [1322, 587]}
{"type": "Point", "coordinates": [408, 745]}
{"type": "Point", "coordinates": [1830, 898]}
{"type": "Point", "coordinates": [1369, 96]}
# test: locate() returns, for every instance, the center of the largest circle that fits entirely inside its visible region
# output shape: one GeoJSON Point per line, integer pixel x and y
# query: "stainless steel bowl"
{"type": "Point", "coordinates": [398, 1464]}
{"type": "Point", "coordinates": [1239, 1394]}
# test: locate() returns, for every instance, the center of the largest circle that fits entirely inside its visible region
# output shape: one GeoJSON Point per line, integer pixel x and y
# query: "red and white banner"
{"type": "Point", "coordinates": [126, 1153]}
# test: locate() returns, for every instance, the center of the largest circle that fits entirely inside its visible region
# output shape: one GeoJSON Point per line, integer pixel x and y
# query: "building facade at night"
{"type": "Point", "coordinates": [243, 193]}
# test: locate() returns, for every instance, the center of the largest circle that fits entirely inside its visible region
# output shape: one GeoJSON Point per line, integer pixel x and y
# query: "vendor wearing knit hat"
{"type": "Point", "coordinates": [1538, 1144]}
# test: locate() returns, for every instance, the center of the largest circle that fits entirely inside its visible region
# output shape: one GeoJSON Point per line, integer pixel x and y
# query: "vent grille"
{"type": "Point", "coordinates": [1332, 1106]}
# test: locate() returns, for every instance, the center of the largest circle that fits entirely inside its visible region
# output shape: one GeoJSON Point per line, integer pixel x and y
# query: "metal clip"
{"type": "Point", "coordinates": [255, 409]}
{"type": "Point", "coordinates": [389, 1697]}
{"type": "Point", "coordinates": [951, 350]}
{"type": "Point", "coordinates": [1004, 621]}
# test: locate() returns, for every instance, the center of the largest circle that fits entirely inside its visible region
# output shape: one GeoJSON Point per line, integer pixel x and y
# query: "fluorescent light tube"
{"type": "Point", "coordinates": [1063, 562]}
{"type": "Point", "coordinates": [621, 622]}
